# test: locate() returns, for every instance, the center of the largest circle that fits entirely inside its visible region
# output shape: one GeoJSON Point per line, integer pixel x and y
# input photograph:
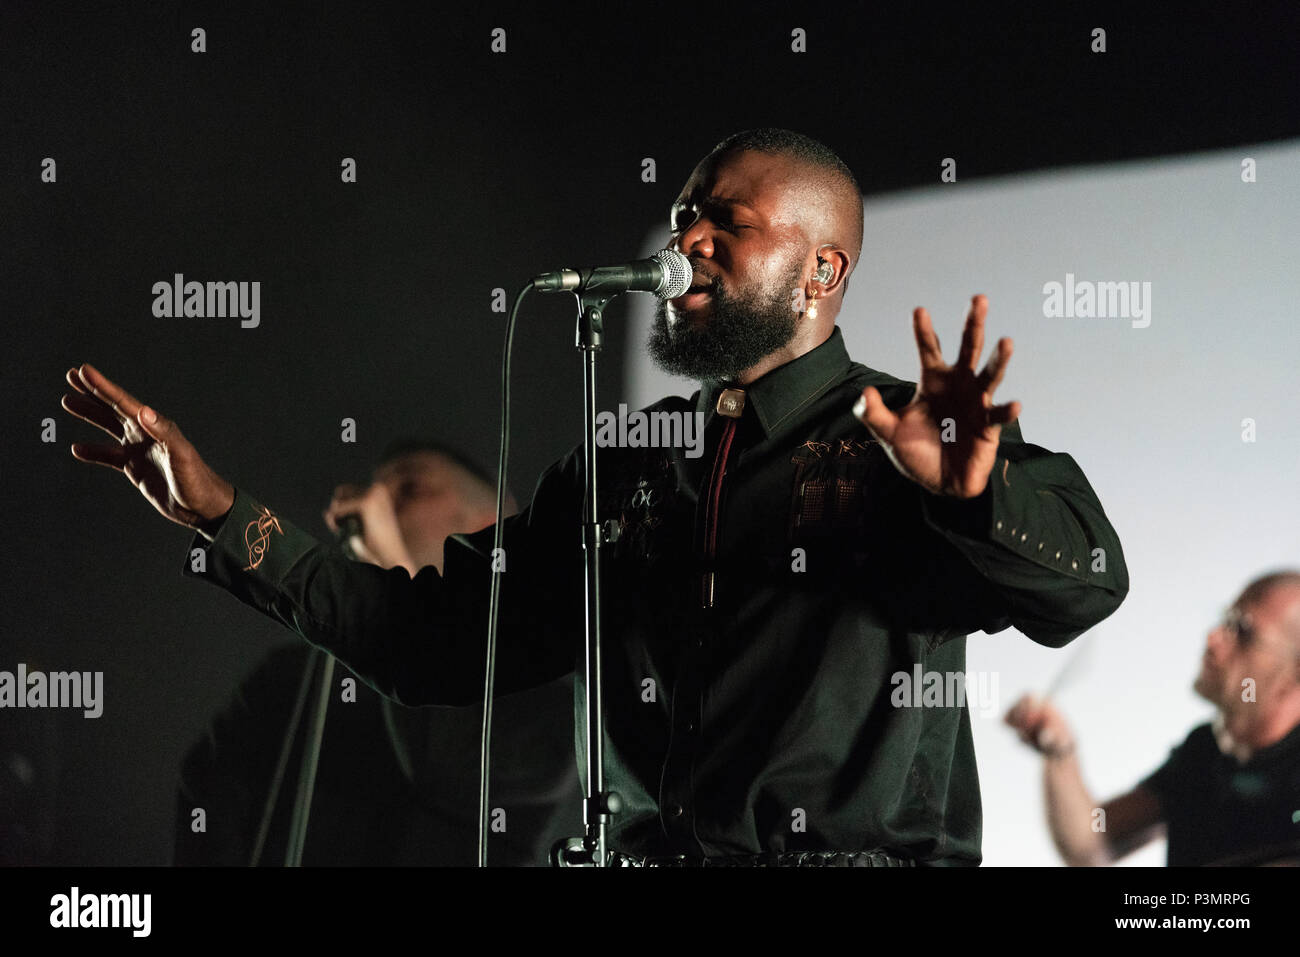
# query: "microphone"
{"type": "Point", "coordinates": [348, 525]}
{"type": "Point", "coordinates": [667, 274]}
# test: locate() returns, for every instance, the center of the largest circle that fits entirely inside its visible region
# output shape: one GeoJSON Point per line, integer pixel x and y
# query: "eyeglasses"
{"type": "Point", "coordinates": [1246, 633]}
{"type": "Point", "coordinates": [1240, 625]}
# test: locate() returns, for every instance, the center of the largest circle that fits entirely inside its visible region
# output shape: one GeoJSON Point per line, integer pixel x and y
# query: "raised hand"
{"type": "Point", "coordinates": [1041, 726]}
{"type": "Point", "coordinates": [946, 438]}
{"type": "Point", "coordinates": [149, 450]}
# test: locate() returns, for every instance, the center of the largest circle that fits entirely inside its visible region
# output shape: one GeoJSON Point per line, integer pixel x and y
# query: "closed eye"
{"type": "Point", "coordinates": [721, 222]}
{"type": "Point", "coordinates": [682, 217]}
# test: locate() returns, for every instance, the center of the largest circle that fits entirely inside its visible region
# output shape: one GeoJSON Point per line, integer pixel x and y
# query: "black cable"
{"type": "Point", "coordinates": [307, 772]}
{"type": "Point", "coordinates": [273, 796]}
{"type": "Point", "coordinates": [495, 597]}
{"type": "Point", "coordinates": [311, 754]}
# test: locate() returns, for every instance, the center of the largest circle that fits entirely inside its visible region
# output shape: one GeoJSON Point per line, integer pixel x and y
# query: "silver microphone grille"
{"type": "Point", "coordinates": [678, 273]}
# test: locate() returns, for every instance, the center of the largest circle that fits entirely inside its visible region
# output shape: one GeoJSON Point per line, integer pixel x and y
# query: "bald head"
{"type": "Point", "coordinates": [824, 194]}
{"type": "Point", "coordinates": [1283, 586]}
{"type": "Point", "coordinates": [1274, 600]}
{"type": "Point", "coordinates": [1257, 649]}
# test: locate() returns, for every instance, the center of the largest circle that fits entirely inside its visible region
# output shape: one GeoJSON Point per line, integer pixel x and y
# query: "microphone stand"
{"type": "Point", "coordinates": [349, 525]}
{"type": "Point", "coordinates": [598, 805]}
{"type": "Point", "coordinates": [310, 761]}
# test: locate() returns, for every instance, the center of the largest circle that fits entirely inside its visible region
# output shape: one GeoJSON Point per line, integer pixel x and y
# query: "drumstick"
{"type": "Point", "coordinates": [1070, 670]}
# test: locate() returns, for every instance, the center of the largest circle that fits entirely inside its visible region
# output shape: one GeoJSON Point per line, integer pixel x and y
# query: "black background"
{"type": "Point", "coordinates": [475, 171]}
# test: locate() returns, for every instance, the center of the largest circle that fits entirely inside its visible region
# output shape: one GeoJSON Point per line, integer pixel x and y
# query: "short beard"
{"type": "Point", "coordinates": [1206, 689]}
{"type": "Point", "coordinates": [740, 331]}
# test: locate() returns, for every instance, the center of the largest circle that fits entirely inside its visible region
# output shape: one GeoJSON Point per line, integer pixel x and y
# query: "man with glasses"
{"type": "Point", "coordinates": [1230, 793]}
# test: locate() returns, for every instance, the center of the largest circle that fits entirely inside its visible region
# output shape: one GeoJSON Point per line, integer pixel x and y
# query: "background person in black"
{"type": "Point", "coordinates": [841, 526]}
{"type": "Point", "coordinates": [1230, 793]}
{"type": "Point", "coordinates": [395, 785]}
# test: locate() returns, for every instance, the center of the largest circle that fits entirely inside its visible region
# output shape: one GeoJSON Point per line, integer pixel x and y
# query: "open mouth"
{"type": "Point", "coordinates": [693, 296]}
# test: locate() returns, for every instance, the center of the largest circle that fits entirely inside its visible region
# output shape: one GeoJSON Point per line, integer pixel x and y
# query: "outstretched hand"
{"type": "Point", "coordinates": [149, 450]}
{"type": "Point", "coordinates": [946, 438]}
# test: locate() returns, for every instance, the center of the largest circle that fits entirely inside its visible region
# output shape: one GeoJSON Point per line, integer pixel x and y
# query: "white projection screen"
{"type": "Point", "coordinates": [1184, 421]}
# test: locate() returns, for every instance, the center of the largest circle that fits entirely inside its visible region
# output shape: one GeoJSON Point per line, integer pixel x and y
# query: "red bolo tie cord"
{"type": "Point", "coordinates": [711, 511]}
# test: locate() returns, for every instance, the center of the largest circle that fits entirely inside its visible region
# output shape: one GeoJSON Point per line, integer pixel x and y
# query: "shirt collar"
{"type": "Point", "coordinates": [779, 394]}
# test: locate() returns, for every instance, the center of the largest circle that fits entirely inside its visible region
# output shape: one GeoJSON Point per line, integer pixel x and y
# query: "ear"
{"type": "Point", "coordinates": [830, 269]}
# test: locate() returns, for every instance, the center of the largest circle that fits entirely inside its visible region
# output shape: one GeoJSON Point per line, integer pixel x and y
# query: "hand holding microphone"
{"type": "Point", "coordinates": [364, 518]}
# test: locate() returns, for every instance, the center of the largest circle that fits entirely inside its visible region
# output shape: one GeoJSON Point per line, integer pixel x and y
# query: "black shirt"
{"type": "Point", "coordinates": [1221, 811]}
{"type": "Point", "coordinates": [758, 719]}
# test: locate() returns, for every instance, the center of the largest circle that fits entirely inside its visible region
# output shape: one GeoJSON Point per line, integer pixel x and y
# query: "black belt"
{"type": "Point", "coordinates": [876, 858]}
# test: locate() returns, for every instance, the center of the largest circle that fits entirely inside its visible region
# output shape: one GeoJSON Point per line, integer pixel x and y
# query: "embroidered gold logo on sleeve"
{"type": "Point", "coordinates": [257, 536]}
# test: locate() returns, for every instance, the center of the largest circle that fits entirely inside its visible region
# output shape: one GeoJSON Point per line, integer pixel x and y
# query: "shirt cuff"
{"type": "Point", "coordinates": [1010, 515]}
{"type": "Point", "coordinates": [254, 547]}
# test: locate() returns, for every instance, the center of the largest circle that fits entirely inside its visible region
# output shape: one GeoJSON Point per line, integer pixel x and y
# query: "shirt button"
{"type": "Point", "coordinates": [1024, 537]}
{"type": "Point", "coordinates": [690, 725]}
{"type": "Point", "coordinates": [1058, 556]}
{"type": "Point", "coordinates": [999, 526]}
{"type": "Point", "coordinates": [1075, 564]}
{"type": "Point", "coordinates": [675, 810]}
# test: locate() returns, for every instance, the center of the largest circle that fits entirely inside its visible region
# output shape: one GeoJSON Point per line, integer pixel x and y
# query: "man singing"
{"type": "Point", "coordinates": [841, 526]}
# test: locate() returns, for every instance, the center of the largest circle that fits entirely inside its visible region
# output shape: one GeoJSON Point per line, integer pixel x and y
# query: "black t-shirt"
{"type": "Point", "coordinates": [1219, 811]}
